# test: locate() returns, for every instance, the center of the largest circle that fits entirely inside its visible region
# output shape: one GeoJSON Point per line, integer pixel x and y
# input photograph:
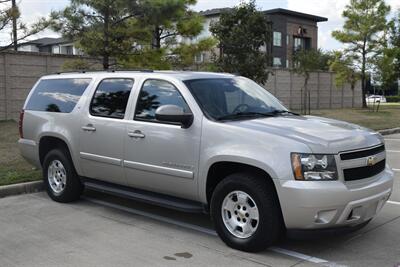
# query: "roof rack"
{"type": "Point", "coordinates": [110, 70]}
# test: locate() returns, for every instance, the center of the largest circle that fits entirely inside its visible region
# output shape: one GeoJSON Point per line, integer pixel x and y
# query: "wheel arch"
{"type": "Point", "coordinates": [219, 170]}
{"type": "Point", "coordinates": [49, 142]}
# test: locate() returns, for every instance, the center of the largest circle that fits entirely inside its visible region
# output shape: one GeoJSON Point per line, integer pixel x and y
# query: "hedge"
{"type": "Point", "coordinates": [393, 98]}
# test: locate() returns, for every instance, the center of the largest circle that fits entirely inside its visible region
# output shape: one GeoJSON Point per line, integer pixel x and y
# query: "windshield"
{"type": "Point", "coordinates": [233, 98]}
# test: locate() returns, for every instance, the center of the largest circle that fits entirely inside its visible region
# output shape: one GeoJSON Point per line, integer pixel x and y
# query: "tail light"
{"type": "Point", "coordinates": [20, 124]}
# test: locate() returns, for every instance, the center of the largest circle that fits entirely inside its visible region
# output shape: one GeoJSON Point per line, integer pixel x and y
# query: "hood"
{"type": "Point", "coordinates": [322, 135]}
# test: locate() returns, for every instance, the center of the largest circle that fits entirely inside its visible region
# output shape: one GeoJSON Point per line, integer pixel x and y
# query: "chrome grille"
{"type": "Point", "coordinates": [363, 163]}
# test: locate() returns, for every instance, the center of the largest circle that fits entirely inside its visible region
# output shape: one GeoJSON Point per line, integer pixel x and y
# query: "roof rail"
{"type": "Point", "coordinates": [138, 70]}
{"type": "Point", "coordinates": [110, 70]}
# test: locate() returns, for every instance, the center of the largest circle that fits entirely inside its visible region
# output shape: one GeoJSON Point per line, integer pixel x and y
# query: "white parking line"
{"type": "Point", "coordinates": [208, 231]}
{"type": "Point", "coordinates": [396, 170]}
{"type": "Point", "coordinates": [391, 139]}
{"type": "Point", "coordinates": [393, 151]}
{"type": "Point", "coordinates": [305, 257]}
{"type": "Point", "coordinates": [393, 202]}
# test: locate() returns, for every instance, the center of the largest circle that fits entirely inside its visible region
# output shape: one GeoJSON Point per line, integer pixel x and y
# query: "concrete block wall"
{"type": "Point", "coordinates": [324, 94]}
{"type": "Point", "coordinates": [19, 71]}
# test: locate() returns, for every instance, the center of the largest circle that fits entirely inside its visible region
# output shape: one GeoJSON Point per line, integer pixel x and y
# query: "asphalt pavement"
{"type": "Point", "coordinates": [101, 230]}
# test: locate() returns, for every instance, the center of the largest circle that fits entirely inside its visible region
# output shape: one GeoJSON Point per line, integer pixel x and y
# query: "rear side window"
{"type": "Point", "coordinates": [57, 95]}
{"type": "Point", "coordinates": [111, 98]}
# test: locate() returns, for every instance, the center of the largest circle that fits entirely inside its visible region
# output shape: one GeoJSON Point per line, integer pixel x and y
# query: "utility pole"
{"type": "Point", "coordinates": [14, 25]}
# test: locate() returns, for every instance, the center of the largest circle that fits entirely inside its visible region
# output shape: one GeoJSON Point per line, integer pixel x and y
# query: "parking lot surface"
{"type": "Point", "coordinates": [102, 230]}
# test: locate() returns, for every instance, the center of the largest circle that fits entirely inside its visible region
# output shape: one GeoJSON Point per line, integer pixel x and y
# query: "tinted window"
{"type": "Point", "coordinates": [57, 95]}
{"type": "Point", "coordinates": [111, 98]}
{"type": "Point", "coordinates": [156, 93]}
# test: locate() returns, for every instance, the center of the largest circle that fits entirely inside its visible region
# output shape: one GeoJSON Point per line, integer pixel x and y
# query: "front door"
{"type": "Point", "coordinates": [103, 129]}
{"type": "Point", "coordinates": [161, 157]}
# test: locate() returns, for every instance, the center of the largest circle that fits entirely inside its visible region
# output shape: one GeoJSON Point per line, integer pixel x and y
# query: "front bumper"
{"type": "Point", "coordinates": [330, 204]}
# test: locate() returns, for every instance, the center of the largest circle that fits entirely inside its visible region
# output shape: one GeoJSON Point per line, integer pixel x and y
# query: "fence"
{"type": "Point", "coordinates": [18, 73]}
{"type": "Point", "coordinates": [324, 94]}
{"type": "Point", "coordinates": [20, 70]}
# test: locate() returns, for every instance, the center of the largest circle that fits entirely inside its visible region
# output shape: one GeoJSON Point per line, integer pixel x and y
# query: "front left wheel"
{"type": "Point", "coordinates": [246, 212]}
{"type": "Point", "coordinates": [60, 178]}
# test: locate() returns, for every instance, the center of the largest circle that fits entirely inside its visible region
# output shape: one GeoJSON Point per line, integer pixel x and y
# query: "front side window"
{"type": "Point", "coordinates": [156, 93]}
{"type": "Point", "coordinates": [231, 98]}
{"type": "Point", "coordinates": [57, 95]}
{"type": "Point", "coordinates": [277, 39]}
{"type": "Point", "coordinates": [111, 98]}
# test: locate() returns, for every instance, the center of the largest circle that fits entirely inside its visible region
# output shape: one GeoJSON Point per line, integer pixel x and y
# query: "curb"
{"type": "Point", "coordinates": [22, 188]}
{"type": "Point", "coordinates": [389, 131]}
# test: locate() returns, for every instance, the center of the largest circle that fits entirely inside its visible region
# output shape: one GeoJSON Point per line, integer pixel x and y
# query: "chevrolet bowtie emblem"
{"type": "Point", "coordinates": [371, 160]}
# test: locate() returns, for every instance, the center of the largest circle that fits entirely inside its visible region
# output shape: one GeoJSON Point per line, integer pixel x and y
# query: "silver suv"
{"type": "Point", "coordinates": [203, 142]}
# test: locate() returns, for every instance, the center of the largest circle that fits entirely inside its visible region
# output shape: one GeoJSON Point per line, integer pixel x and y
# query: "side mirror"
{"type": "Point", "coordinates": [174, 114]}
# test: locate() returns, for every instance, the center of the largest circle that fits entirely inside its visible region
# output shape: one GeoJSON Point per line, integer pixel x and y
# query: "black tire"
{"type": "Point", "coordinates": [270, 223]}
{"type": "Point", "coordinates": [73, 187]}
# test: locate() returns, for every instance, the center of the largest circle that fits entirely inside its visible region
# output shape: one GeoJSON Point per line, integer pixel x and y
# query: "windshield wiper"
{"type": "Point", "coordinates": [245, 114]}
{"type": "Point", "coordinates": [282, 111]}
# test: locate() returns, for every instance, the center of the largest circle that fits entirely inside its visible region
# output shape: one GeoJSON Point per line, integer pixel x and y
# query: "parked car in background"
{"type": "Point", "coordinates": [376, 99]}
{"type": "Point", "coordinates": [204, 142]}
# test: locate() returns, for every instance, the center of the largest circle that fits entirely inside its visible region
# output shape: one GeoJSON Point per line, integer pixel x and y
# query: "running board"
{"type": "Point", "coordinates": [145, 196]}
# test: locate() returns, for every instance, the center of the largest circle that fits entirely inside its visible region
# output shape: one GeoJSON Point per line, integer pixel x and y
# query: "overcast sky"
{"type": "Point", "coordinates": [332, 9]}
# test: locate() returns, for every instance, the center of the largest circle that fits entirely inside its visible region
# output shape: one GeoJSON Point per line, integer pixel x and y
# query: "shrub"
{"type": "Point", "coordinates": [393, 98]}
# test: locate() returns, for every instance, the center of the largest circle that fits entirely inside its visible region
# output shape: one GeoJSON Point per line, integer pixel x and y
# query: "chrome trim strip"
{"type": "Point", "coordinates": [158, 169]}
{"type": "Point", "coordinates": [102, 159]}
{"type": "Point", "coordinates": [361, 149]}
{"type": "Point", "coordinates": [360, 162]}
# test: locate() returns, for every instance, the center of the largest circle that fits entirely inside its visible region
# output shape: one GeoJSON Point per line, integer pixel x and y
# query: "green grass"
{"type": "Point", "coordinates": [387, 117]}
{"type": "Point", "coordinates": [13, 168]}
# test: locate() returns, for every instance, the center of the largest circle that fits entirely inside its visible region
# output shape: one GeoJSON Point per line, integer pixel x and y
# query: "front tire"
{"type": "Point", "coordinates": [60, 178]}
{"type": "Point", "coordinates": [246, 212]}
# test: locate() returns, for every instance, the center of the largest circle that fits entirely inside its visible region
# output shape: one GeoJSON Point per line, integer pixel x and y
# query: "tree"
{"type": "Point", "coordinates": [345, 71]}
{"type": "Point", "coordinates": [387, 70]}
{"type": "Point", "coordinates": [395, 42]}
{"type": "Point", "coordinates": [105, 28]}
{"type": "Point", "coordinates": [183, 56]}
{"type": "Point", "coordinates": [146, 58]}
{"type": "Point", "coordinates": [168, 19]}
{"type": "Point", "coordinates": [10, 20]}
{"type": "Point", "coordinates": [305, 62]}
{"type": "Point", "coordinates": [365, 21]}
{"type": "Point", "coordinates": [242, 33]}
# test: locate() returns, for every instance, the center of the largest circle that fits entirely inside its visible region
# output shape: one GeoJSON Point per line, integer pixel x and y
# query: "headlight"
{"type": "Point", "coordinates": [314, 167]}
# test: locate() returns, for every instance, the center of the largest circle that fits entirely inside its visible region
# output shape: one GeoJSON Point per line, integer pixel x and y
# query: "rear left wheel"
{"type": "Point", "coordinates": [60, 178]}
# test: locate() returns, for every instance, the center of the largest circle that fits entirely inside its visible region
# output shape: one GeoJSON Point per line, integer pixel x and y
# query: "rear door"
{"type": "Point", "coordinates": [103, 130]}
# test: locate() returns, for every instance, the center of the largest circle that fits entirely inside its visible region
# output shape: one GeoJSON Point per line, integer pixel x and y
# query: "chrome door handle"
{"type": "Point", "coordinates": [136, 134]}
{"type": "Point", "coordinates": [89, 128]}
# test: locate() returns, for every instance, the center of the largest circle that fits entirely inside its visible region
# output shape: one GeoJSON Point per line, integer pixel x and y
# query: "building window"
{"type": "Point", "coordinates": [277, 62]}
{"type": "Point", "coordinates": [199, 58]}
{"type": "Point", "coordinates": [301, 43]}
{"type": "Point", "coordinates": [69, 50]}
{"type": "Point", "coordinates": [287, 39]}
{"type": "Point", "coordinates": [277, 39]}
{"type": "Point", "coordinates": [56, 49]}
{"type": "Point", "coordinates": [298, 43]}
